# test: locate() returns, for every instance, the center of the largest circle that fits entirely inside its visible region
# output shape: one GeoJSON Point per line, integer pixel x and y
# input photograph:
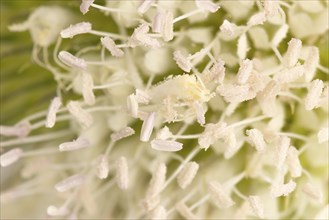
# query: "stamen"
{"type": "Point", "coordinates": [166, 145]}
{"type": "Point", "coordinates": [140, 37]}
{"type": "Point", "coordinates": [323, 135]}
{"type": "Point", "coordinates": [158, 180]}
{"type": "Point", "coordinates": [147, 127]}
{"type": "Point", "coordinates": [257, 139]}
{"type": "Point", "coordinates": [73, 30]}
{"type": "Point", "coordinates": [158, 22]}
{"type": "Point", "coordinates": [278, 190]}
{"type": "Point", "coordinates": [144, 6]}
{"type": "Point", "coordinates": [290, 75]}
{"type": "Point", "coordinates": [87, 88]}
{"type": "Point", "coordinates": [122, 175]}
{"type": "Point", "coordinates": [314, 93]}
{"type": "Point", "coordinates": [312, 191]}
{"type": "Point", "coordinates": [70, 182]}
{"type": "Point", "coordinates": [200, 113]}
{"type": "Point", "coordinates": [207, 5]}
{"type": "Point", "coordinates": [256, 206]}
{"type": "Point", "coordinates": [102, 167]}
{"type": "Point", "coordinates": [56, 103]}
{"type": "Point", "coordinates": [182, 61]}
{"type": "Point", "coordinates": [294, 48]}
{"type": "Point", "coordinates": [280, 35]}
{"type": "Point", "coordinates": [168, 26]}
{"type": "Point", "coordinates": [187, 175]}
{"type": "Point", "coordinates": [10, 157]}
{"type": "Point", "coordinates": [71, 60]}
{"type": "Point", "coordinates": [245, 71]}
{"type": "Point", "coordinates": [80, 143]}
{"type": "Point", "coordinates": [186, 212]}
{"type": "Point", "coordinates": [242, 47]}
{"type": "Point", "coordinates": [82, 116]}
{"type": "Point", "coordinates": [293, 162]}
{"type": "Point", "coordinates": [282, 151]}
{"type": "Point", "coordinates": [256, 19]}
{"type": "Point", "coordinates": [311, 63]}
{"type": "Point", "coordinates": [216, 73]}
{"type": "Point", "coordinates": [158, 213]}
{"type": "Point", "coordinates": [228, 28]}
{"type": "Point", "coordinates": [20, 130]}
{"type": "Point", "coordinates": [123, 133]}
{"type": "Point", "coordinates": [164, 133]}
{"type": "Point", "coordinates": [110, 45]}
{"type": "Point", "coordinates": [219, 196]}
{"type": "Point", "coordinates": [132, 105]}
{"type": "Point", "coordinates": [85, 5]}
{"type": "Point", "coordinates": [54, 211]}
{"type": "Point", "coordinates": [142, 97]}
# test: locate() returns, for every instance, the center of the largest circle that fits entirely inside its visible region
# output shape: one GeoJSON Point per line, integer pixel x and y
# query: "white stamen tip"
{"type": "Point", "coordinates": [257, 206]}
{"type": "Point", "coordinates": [323, 135]}
{"type": "Point", "coordinates": [257, 139]}
{"type": "Point", "coordinates": [182, 61]}
{"type": "Point", "coordinates": [10, 157]}
{"type": "Point", "coordinates": [312, 99]}
{"type": "Point", "coordinates": [142, 96]}
{"type": "Point", "coordinates": [54, 211]}
{"type": "Point", "coordinates": [123, 133]}
{"type": "Point", "coordinates": [187, 175]}
{"type": "Point", "coordinates": [20, 130]}
{"type": "Point", "coordinates": [82, 116]}
{"type": "Point", "coordinates": [282, 150]}
{"type": "Point", "coordinates": [122, 175]}
{"type": "Point", "coordinates": [144, 6]}
{"type": "Point", "coordinates": [147, 127]}
{"type": "Point", "coordinates": [293, 162]}
{"type": "Point", "coordinates": [102, 168]}
{"type": "Point", "coordinates": [245, 71]}
{"type": "Point", "coordinates": [311, 63]}
{"type": "Point", "coordinates": [166, 145]}
{"type": "Point", "coordinates": [110, 45]}
{"type": "Point", "coordinates": [293, 52]}
{"type": "Point", "coordinates": [80, 28]}
{"type": "Point", "coordinates": [186, 211]}
{"type": "Point", "coordinates": [228, 28]}
{"type": "Point", "coordinates": [158, 180]}
{"type": "Point", "coordinates": [219, 195]}
{"type": "Point", "coordinates": [207, 5]}
{"type": "Point", "coordinates": [70, 182]}
{"type": "Point", "coordinates": [200, 113]}
{"type": "Point", "coordinates": [87, 88]}
{"type": "Point", "coordinates": [168, 26]}
{"type": "Point", "coordinates": [278, 190]}
{"type": "Point", "coordinates": [80, 143]}
{"type": "Point", "coordinates": [85, 5]}
{"type": "Point", "coordinates": [71, 60]}
{"type": "Point", "coordinates": [280, 35]}
{"type": "Point", "coordinates": [257, 19]}
{"type": "Point", "coordinates": [132, 105]}
{"type": "Point", "coordinates": [158, 213]}
{"type": "Point", "coordinates": [56, 103]}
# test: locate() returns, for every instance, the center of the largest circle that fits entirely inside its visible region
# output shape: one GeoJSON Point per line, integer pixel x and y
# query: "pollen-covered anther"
{"type": "Point", "coordinates": [87, 88]}
{"type": "Point", "coordinates": [280, 35]}
{"type": "Point", "coordinates": [312, 99]}
{"type": "Point", "coordinates": [158, 180]}
{"type": "Point", "coordinates": [123, 133]}
{"type": "Point", "coordinates": [85, 5]}
{"type": "Point", "coordinates": [245, 71]}
{"type": "Point", "coordinates": [256, 206]}
{"type": "Point", "coordinates": [81, 115]}
{"type": "Point", "coordinates": [166, 145]}
{"type": "Point", "coordinates": [257, 19]}
{"type": "Point", "coordinates": [110, 45]}
{"type": "Point", "coordinates": [311, 63]}
{"type": "Point", "coordinates": [55, 104]}
{"type": "Point", "coordinates": [221, 198]}
{"type": "Point", "coordinates": [290, 75]}
{"type": "Point", "coordinates": [216, 73]}
{"type": "Point", "coordinates": [183, 62]}
{"type": "Point", "coordinates": [278, 190]}
{"type": "Point", "coordinates": [71, 60]}
{"type": "Point", "coordinates": [10, 157]}
{"type": "Point", "coordinates": [187, 175]}
{"type": "Point", "coordinates": [54, 211]}
{"type": "Point", "coordinates": [102, 167]}
{"type": "Point", "coordinates": [257, 139]}
{"type": "Point", "coordinates": [76, 29]}
{"type": "Point", "coordinates": [164, 133]}
{"type": "Point", "coordinates": [140, 37]}
{"type": "Point", "coordinates": [185, 211]}
{"type": "Point", "coordinates": [79, 143]}
{"type": "Point", "coordinates": [323, 135]}
{"type": "Point", "coordinates": [228, 28]}
{"type": "Point", "coordinates": [122, 173]}
{"type": "Point", "coordinates": [144, 6]}
{"type": "Point", "coordinates": [158, 213]}
{"type": "Point", "coordinates": [142, 96]}
{"type": "Point", "coordinates": [282, 151]}
{"type": "Point", "coordinates": [70, 182]}
{"type": "Point", "coordinates": [158, 22]}
{"type": "Point", "coordinates": [207, 5]}
{"type": "Point", "coordinates": [293, 162]}
{"type": "Point", "coordinates": [132, 105]}
{"type": "Point", "coordinates": [147, 127]}
{"type": "Point", "coordinates": [200, 113]}
{"type": "Point", "coordinates": [20, 130]}
{"type": "Point", "coordinates": [294, 48]}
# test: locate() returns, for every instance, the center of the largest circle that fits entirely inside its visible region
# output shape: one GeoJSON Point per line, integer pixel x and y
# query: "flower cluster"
{"type": "Point", "coordinates": [190, 109]}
